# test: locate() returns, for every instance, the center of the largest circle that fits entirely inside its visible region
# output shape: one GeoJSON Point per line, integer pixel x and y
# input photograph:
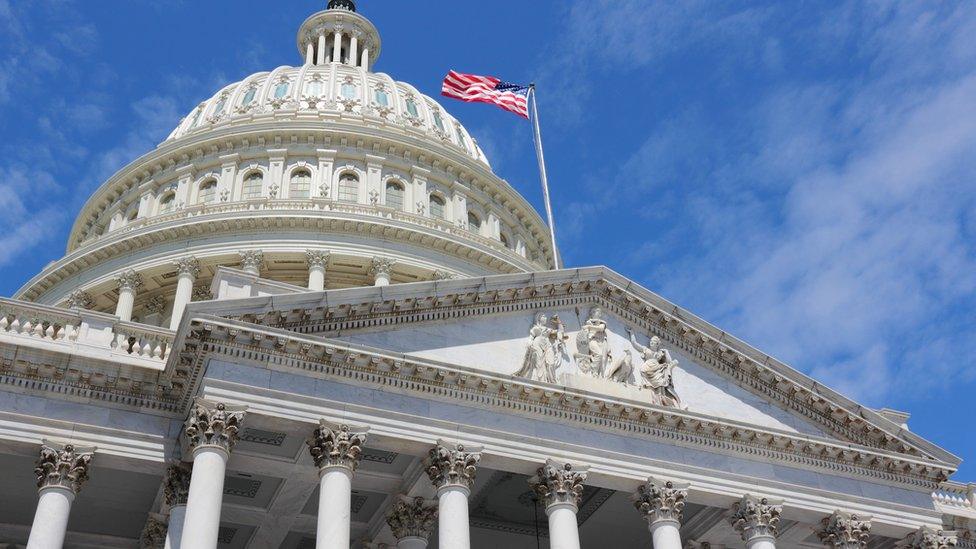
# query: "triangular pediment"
{"type": "Point", "coordinates": [486, 324]}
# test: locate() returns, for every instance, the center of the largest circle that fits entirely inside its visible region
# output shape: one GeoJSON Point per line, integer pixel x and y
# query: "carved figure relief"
{"type": "Point", "coordinates": [655, 371]}
{"type": "Point", "coordinates": [592, 346]}
{"type": "Point", "coordinates": [547, 346]}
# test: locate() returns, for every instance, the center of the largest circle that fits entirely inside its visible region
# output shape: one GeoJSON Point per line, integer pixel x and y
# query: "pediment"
{"type": "Point", "coordinates": [484, 324]}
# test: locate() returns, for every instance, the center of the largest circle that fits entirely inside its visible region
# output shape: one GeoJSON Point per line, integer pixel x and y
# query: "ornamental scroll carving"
{"type": "Point", "coordinates": [559, 483]}
{"type": "Point", "coordinates": [213, 424]}
{"type": "Point", "coordinates": [336, 446]}
{"type": "Point", "coordinates": [412, 518]}
{"type": "Point", "coordinates": [452, 465]}
{"type": "Point", "coordinates": [547, 348]}
{"type": "Point", "coordinates": [753, 517]}
{"type": "Point", "coordinates": [660, 500]}
{"type": "Point", "coordinates": [843, 530]}
{"type": "Point", "coordinates": [63, 465]}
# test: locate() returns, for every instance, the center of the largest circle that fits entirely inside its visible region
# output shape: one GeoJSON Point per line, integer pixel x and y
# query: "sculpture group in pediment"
{"type": "Point", "coordinates": [594, 358]}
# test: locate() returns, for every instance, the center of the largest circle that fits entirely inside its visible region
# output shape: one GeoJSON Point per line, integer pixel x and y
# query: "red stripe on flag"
{"type": "Point", "coordinates": [473, 88]}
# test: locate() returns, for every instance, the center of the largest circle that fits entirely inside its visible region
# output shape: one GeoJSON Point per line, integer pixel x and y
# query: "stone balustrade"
{"type": "Point", "coordinates": [956, 498]}
{"type": "Point", "coordinates": [84, 333]}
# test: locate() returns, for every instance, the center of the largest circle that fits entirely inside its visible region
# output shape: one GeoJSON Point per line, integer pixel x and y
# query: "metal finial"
{"type": "Point", "coordinates": [347, 5]}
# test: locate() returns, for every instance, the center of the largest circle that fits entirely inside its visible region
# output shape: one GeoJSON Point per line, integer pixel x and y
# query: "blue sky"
{"type": "Point", "coordinates": [801, 174]}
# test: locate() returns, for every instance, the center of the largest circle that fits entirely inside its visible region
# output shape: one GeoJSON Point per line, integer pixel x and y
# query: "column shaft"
{"type": "Point", "coordinates": [123, 309]}
{"type": "Point", "coordinates": [184, 293]}
{"type": "Point", "coordinates": [665, 534]}
{"type": "Point", "coordinates": [316, 278]}
{"type": "Point", "coordinates": [364, 61]}
{"type": "Point", "coordinates": [761, 542]}
{"type": "Point", "coordinates": [453, 530]}
{"type": "Point", "coordinates": [174, 531]}
{"type": "Point", "coordinates": [337, 48]}
{"type": "Point", "coordinates": [412, 543]}
{"type": "Point", "coordinates": [206, 494]}
{"type": "Point", "coordinates": [51, 518]}
{"type": "Point", "coordinates": [563, 531]}
{"type": "Point", "coordinates": [353, 50]}
{"type": "Point", "coordinates": [310, 54]}
{"type": "Point", "coordinates": [335, 508]}
{"type": "Point", "coordinates": [321, 60]}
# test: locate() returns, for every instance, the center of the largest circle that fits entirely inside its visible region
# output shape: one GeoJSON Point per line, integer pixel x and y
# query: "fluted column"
{"type": "Point", "coordinates": [337, 47]}
{"type": "Point", "coordinates": [364, 58]}
{"type": "Point", "coordinates": [928, 537]}
{"type": "Point", "coordinates": [251, 261]}
{"type": "Point", "coordinates": [380, 269]}
{"type": "Point", "coordinates": [756, 519]}
{"type": "Point", "coordinates": [336, 452]}
{"type": "Point", "coordinates": [316, 260]}
{"type": "Point", "coordinates": [452, 470]}
{"type": "Point", "coordinates": [209, 435]}
{"type": "Point", "coordinates": [129, 283]}
{"type": "Point", "coordinates": [843, 530]}
{"type": "Point", "coordinates": [153, 534]}
{"type": "Point", "coordinates": [61, 471]}
{"type": "Point", "coordinates": [661, 502]}
{"type": "Point", "coordinates": [411, 520]}
{"type": "Point", "coordinates": [176, 489]}
{"type": "Point", "coordinates": [353, 50]}
{"type": "Point", "coordinates": [320, 58]}
{"type": "Point", "coordinates": [187, 271]}
{"type": "Point", "coordinates": [560, 485]}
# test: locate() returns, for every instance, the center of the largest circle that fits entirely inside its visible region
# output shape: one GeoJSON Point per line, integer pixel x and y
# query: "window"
{"type": "Point", "coordinates": [253, 185]}
{"type": "Point", "coordinates": [301, 184]}
{"type": "Point", "coordinates": [132, 215]}
{"type": "Point", "coordinates": [381, 98]}
{"type": "Point", "coordinates": [196, 118]}
{"type": "Point", "coordinates": [281, 90]}
{"type": "Point", "coordinates": [474, 224]}
{"type": "Point", "coordinates": [412, 108]}
{"type": "Point", "coordinates": [313, 89]}
{"type": "Point", "coordinates": [394, 195]}
{"type": "Point", "coordinates": [460, 134]}
{"type": "Point", "coordinates": [249, 96]}
{"type": "Point", "coordinates": [348, 90]}
{"type": "Point", "coordinates": [349, 188]}
{"type": "Point", "coordinates": [207, 191]}
{"type": "Point", "coordinates": [436, 206]}
{"type": "Point", "coordinates": [167, 202]}
{"type": "Point", "coordinates": [219, 108]}
{"type": "Point", "coordinates": [438, 120]}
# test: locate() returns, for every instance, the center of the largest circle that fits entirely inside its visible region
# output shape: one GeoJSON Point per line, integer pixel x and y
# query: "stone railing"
{"type": "Point", "coordinates": [314, 204]}
{"type": "Point", "coordinates": [83, 333]}
{"type": "Point", "coordinates": [956, 498]}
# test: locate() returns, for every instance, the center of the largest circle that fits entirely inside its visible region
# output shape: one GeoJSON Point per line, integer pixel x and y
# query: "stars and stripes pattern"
{"type": "Point", "coordinates": [487, 89]}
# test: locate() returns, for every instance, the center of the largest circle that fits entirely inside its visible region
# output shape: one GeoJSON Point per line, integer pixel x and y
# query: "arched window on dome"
{"type": "Point", "coordinates": [460, 136]}
{"type": "Point", "coordinates": [167, 203]}
{"type": "Point", "coordinates": [301, 184]}
{"type": "Point", "coordinates": [219, 107]}
{"type": "Point", "coordinates": [438, 120]}
{"type": "Point", "coordinates": [349, 187]}
{"type": "Point", "coordinates": [505, 240]}
{"type": "Point", "coordinates": [394, 194]}
{"type": "Point", "coordinates": [281, 90]}
{"type": "Point", "coordinates": [412, 108]}
{"type": "Point", "coordinates": [133, 214]}
{"type": "Point", "coordinates": [381, 98]}
{"type": "Point", "coordinates": [313, 88]}
{"type": "Point", "coordinates": [253, 185]}
{"type": "Point", "coordinates": [437, 204]}
{"type": "Point", "coordinates": [474, 222]}
{"type": "Point", "coordinates": [196, 117]}
{"type": "Point", "coordinates": [249, 96]}
{"type": "Point", "coordinates": [348, 90]}
{"type": "Point", "coordinates": [207, 191]}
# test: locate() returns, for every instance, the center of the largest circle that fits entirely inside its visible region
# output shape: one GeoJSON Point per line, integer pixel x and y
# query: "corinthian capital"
{"type": "Point", "coordinates": [188, 265]}
{"type": "Point", "coordinates": [176, 484]}
{"type": "Point", "coordinates": [129, 280]}
{"type": "Point", "coordinates": [251, 260]}
{"type": "Point", "coordinates": [412, 518]}
{"type": "Point", "coordinates": [754, 517]}
{"type": "Point", "coordinates": [316, 258]}
{"type": "Point", "coordinates": [843, 530]}
{"type": "Point", "coordinates": [927, 537]}
{"type": "Point", "coordinates": [452, 465]}
{"type": "Point", "coordinates": [153, 533]}
{"type": "Point", "coordinates": [559, 483]}
{"type": "Point", "coordinates": [63, 465]}
{"type": "Point", "coordinates": [336, 446]}
{"type": "Point", "coordinates": [381, 266]}
{"type": "Point", "coordinates": [212, 424]}
{"type": "Point", "coordinates": [660, 500]}
{"type": "Point", "coordinates": [79, 299]}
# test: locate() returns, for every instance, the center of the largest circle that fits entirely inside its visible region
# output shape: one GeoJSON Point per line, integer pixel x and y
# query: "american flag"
{"type": "Point", "coordinates": [487, 89]}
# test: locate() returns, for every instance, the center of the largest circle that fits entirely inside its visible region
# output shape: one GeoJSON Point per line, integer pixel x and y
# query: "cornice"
{"type": "Point", "coordinates": [242, 342]}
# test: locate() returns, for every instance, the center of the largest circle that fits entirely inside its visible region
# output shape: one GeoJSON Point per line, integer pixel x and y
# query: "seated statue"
{"type": "Point", "coordinates": [655, 372]}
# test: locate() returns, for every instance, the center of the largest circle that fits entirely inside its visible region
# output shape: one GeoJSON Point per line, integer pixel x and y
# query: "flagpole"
{"type": "Point", "coordinates": [542, 176]}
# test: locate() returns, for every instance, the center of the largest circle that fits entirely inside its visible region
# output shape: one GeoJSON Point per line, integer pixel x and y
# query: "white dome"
{"type": "Point", "coordinates": [326, 91]}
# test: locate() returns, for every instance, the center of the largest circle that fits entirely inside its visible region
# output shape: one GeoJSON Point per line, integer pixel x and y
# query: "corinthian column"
{"type": "Point", "coordinates": [411, 521]}
{"type": "Point", "coordinates": [843, 530]}
{"type": "Point", "coordinates": [661, 503]}
{"type": "Point", "coordinates": [927, 537]}
{"type": "Point", "coordinates": [251, 261]}
{"type": "Point", "coordinates": [316, 269]}
{"type": "Point", "coordinates": [756, 520]}
{"type": "Point", "coordinates": [336, 452]}
{"type": "Point", "coordinates": [153, 534]}
{"type": "Point", "coordinates": [380, 269]}
{"type": "Point", "coordinates": [187, 271]}
{"type": "Point", "coordinates": [452, 470]}
{"type": "Point", "coordinates": [209, 435]}
{"type": "Point", "coordinates": [61, 470]}
{"type": "Point", "coordinates": [560, 485]}
{"type": "Point", "coordinates": [176, 489]}
{"type": "Point", "coordinates": [129, 283]}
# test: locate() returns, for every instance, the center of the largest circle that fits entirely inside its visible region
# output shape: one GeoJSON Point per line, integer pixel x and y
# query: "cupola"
{"type": "Point", "coordinates": [339, 35]}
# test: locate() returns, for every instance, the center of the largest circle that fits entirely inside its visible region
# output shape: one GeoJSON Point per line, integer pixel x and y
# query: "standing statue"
{"type": "Point", "coordinates": [655, 373]}
{"type": "Point", "coordinates": [592, 346]}
{"type": "Point", "coordinates": [545, 350]}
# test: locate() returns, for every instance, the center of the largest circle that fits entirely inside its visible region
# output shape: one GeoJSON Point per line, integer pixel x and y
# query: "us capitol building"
{"type": "Point", "coordinates": [314, 317]}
